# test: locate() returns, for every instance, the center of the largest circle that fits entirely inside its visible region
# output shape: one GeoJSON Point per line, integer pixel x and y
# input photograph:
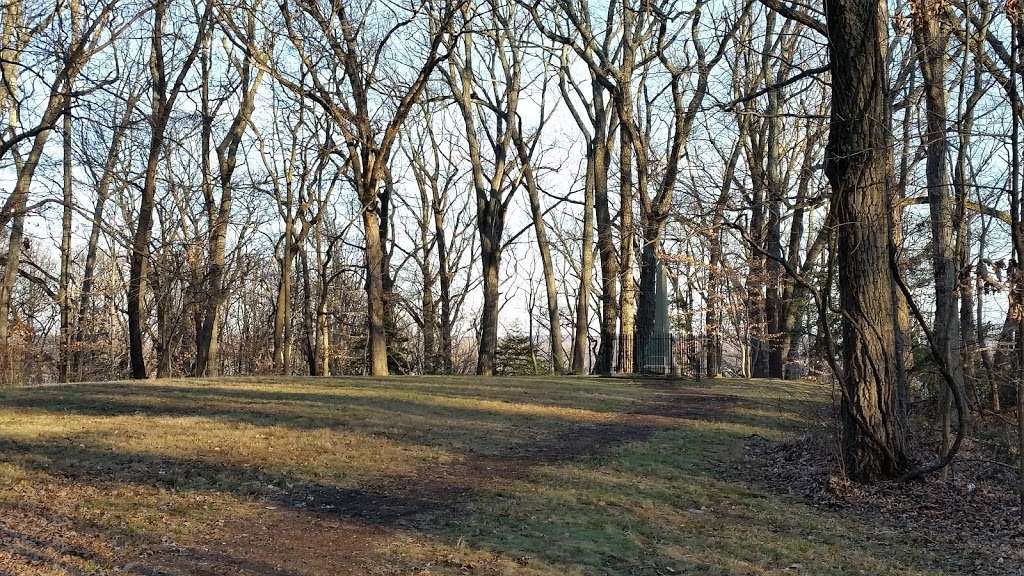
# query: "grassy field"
{"type": "Point", "coordinates": [432, 475]}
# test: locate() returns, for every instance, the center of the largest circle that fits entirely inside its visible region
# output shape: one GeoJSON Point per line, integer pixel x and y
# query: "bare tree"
{"type": "Point", "coordinates": [485, 73]}
{"type": "Point", "coordinates": [166, 87]}
{"type": "Point", "coordinates": [352, 44]}
{"type": "Point", "coordinates": [89, 35]}
{"type": "Point", "coordinates": [218, 216]}
{"type": "Point", "coordinates": [857, 165]}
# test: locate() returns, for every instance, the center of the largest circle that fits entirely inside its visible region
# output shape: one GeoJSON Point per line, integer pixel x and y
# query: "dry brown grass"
{"type": "Point", "coordinates": [435, 475]}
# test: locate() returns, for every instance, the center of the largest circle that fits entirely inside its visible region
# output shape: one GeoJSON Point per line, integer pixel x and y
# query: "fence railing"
{"type": "Point", "coordinates": [661, 354]}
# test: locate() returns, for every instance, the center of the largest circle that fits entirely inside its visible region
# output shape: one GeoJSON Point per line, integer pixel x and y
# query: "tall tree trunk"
{"type": "Point", "coordinates": [624, 107]}
{"type": "Point", "coordinates": [931, 43]}
{"type": "Point", "coordinates": [757, 323]}
{"type": "Point", "coordinates": [775, 306]}
{"type": "Point", "coordinates": [162, 105]}
{"type": "Point", "coordinates": [63, 290]}
{"type": "Point", "coordinates": [92, 245]}
{"type": "Point", "coordinates": [857, 166]}
{"type": "Point", "coordinates": [650, 264]}
{"type": "Point", "coordinates": [309, 322]}
{"type": "Point", "coordinates": [376, 295]}
{"type": "Point", "coordinates": [64, 282]}
{"type": "Point", "coordinates": [444, 277]}
{"type": "Point", "coordinates": [970, 301]}
{"type": "Point", "coordinates": [428, 305]}
{"type": "Point", "coordinates": [202, 285]}
{"type": "Point", "coordinates": [544, 247]}
{"type": "Point", "coordinates": [492, 191]}
{"type": "Point", "coordinates": [139, 257]}
{"type": "Point", "coordinates": [282, 306]}
{"type": "Point", "coordinates": [904, 345]}
{"type": "Point", "coordinates": [581, 333]}
{"type": "Point", "coordinates": [219, 220]}
{"type": "Point", "coordinates": [627, 298]}
{"type": "Point", "coordinates": [607, 253]}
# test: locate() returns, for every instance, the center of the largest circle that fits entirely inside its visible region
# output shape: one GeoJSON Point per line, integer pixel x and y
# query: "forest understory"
{"type": "Point", "coordinates": [971, 515]}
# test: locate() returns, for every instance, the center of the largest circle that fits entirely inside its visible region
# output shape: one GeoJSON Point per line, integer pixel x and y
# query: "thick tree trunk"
{"type": "Point", "coordinates": [713, 312]}
{"type": "Point", "coordinates": [649, 264]}
{"type": "Point", "coordinates": [490, 259]}
{"type": "Point", "coordinates": [605, 242]}
{"type": "Point", "coordinates": [775, 304]}
{"type": "Point", "coordinates": [162, 105]}
{"type": "Point", "coordinates": [139, 257]}
{"type": "Point", "coordinates": [627, 299]}
{"type": "Point", "coordinates": [375, 296]}
{"type": "Point", "coordinates": [624, 107]}
{"type": "Point", "coordinates": [857, 166]}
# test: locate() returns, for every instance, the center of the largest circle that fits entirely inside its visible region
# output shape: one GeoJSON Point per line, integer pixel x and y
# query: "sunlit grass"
{"type": "Point", "coordinates": [435, 475]}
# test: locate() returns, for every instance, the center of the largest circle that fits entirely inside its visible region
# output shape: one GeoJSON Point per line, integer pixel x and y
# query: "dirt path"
{"type": "Point", "coordinates": [349, 533]}
{"type": "Point", "coordinates": [323, 530]}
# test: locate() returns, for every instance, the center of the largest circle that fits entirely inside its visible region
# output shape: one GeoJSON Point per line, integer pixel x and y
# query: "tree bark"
{"type": "Point", "coordinates": [64, 283]}
{"type": "Point", "coordinates": [490, 259]}
{"type": "Point", "coordinates": [581, 332]}
{"type": "Point", "coordinates": [608, 256]}
{"type": "Point", "coordinates": [931, 44]}
{"type": "Point", "coordinates": [376, 295]}
{"type": "Point", "coordinates": [857, 167]}
{"type": "Point", "coordinates": [624, 106]}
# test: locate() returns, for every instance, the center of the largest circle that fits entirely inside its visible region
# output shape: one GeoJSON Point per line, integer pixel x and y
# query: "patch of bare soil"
{"type": "Point", "coordinates": [970, 523]}
{"type": "Point", "coordinates": [674, 401]}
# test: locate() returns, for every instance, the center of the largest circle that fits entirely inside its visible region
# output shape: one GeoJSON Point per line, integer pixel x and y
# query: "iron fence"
{"type": "Point", "coordinates": [660, 354]}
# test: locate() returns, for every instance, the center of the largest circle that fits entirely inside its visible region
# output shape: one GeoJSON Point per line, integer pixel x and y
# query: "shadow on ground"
{"type": "Point", "coordinates": [538, 477]}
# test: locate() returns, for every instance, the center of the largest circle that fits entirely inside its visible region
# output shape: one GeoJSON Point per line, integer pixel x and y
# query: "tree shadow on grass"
{"type": "Point", "coordinates": [441, 501]}
{"type": "Point", "coordinates": [499, 496]}
{"type": "Point", "coordinates": [447, 506]}
{"type": "Point", "coordinates": [55, 552]}
{"type": "Point", "coordinates": [529, 429]}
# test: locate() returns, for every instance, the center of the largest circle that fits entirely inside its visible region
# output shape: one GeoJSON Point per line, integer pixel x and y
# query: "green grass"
{"type": "Point", "coordinates": [427, 475]}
